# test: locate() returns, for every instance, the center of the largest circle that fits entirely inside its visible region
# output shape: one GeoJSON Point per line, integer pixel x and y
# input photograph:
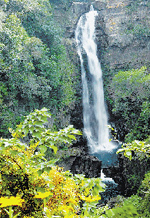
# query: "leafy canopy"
{"type": "Point", "coordinates": [35, 71]}
{"type": "Point", "coordinates": [130, 92]}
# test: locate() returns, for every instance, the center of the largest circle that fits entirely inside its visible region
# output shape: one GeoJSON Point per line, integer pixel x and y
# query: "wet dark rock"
{"type": "Point", "coordinates": [82, 163]}
{"type": "Point", "coordinates": [88, 165]}
{"type": "Point", "coordinates": [111, 190]}
{"type": "Point", "coordinates": [128, 174]}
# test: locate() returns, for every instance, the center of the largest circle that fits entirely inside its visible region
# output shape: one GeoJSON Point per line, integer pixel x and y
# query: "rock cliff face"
{"type": "Point", "coordinates": [128, 42]}
{"type": "Point", "coordinates": [122, 35]}
{"type": "Point", "coordinates": [122, 30]}
{"type": "Point", "coordinates": [123, 42]}
{"type": "Point", "coordinates": [78, 161]}
{"type": "Point", "coordinates": [85, 164]}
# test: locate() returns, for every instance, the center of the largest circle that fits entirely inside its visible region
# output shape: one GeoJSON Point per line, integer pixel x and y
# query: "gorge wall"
{"type": "Point", "coordinates": [122, 30]}
{"type": "Point", "coordinates": [123, 41]}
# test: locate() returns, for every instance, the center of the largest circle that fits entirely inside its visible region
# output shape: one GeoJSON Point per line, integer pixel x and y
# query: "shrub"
{"type": "Point", "coordinates": [39, 188]}
{"type": "Point", "coordinates": [130, 92]}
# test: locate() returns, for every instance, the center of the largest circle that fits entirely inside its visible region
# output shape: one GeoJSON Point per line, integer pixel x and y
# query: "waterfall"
{"type": "Point", "coordinates": [94, 112]}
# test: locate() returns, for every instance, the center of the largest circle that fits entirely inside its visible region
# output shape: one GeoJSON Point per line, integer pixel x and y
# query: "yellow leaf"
{"type": "Point", "coordinates": [43, 195]}
{"type": "Point", "coordinates": [12, 201]}
{"type": "Point", "coordinates": [90, 198]}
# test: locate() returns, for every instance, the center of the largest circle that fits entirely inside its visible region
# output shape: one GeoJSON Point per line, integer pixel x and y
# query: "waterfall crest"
{"type": "Point", "coordinates": [94, 112]}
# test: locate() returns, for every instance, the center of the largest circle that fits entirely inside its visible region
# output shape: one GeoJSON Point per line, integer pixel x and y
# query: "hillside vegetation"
{"type": "Point", "coordinates": [34, 68]}
{"type": "Point", "coordinates": [36, 76]}
{"type": "Point", "coordinates": [33, 186]}
{"type": "Point", "coordinates": [130, 99]}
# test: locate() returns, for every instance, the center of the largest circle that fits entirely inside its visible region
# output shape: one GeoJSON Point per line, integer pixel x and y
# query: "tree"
{"type": "Point", "coordinates": [35, 69]}
{"type": "Point", "coordinates": [130, 92]}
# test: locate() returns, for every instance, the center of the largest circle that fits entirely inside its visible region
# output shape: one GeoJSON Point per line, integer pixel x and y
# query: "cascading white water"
{"type": "Point", "coordinates": [94, 112]}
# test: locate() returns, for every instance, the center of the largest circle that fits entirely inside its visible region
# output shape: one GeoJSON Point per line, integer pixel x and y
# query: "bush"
{"type": "Point", "coordinates": [130, 92]}
{"type": "Point", "coordinates": [127, 208]}
{"type": "Point", "coordinates": [35, 69]}
{"type": "Point", "coordinates": [144, 193]}
{"type": "Point", "coordinates": [30, 185]}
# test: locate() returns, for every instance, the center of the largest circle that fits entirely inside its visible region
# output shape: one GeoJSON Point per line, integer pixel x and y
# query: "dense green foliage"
{"type": "Point", "coordinates": [130, 94]}
{"type": "Point", "coordinates": [144, 192]}
{"type": "Point", "coordinates": [134, 206]}
{"type": "Point", "coordinates": [34, 68]}
{"type": "Point", "coordinates": [30, 185]}
{"type": "Point", "coordinates": [137, 205]}
{"type": "Point", "coordinates": [124, 209]}
{"type": "Point", "coordinates": [135, 164]}
{"type": "Point", "coordinates": [140, 148]}
{"type": "Point", "coordinates": [35, 72]}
